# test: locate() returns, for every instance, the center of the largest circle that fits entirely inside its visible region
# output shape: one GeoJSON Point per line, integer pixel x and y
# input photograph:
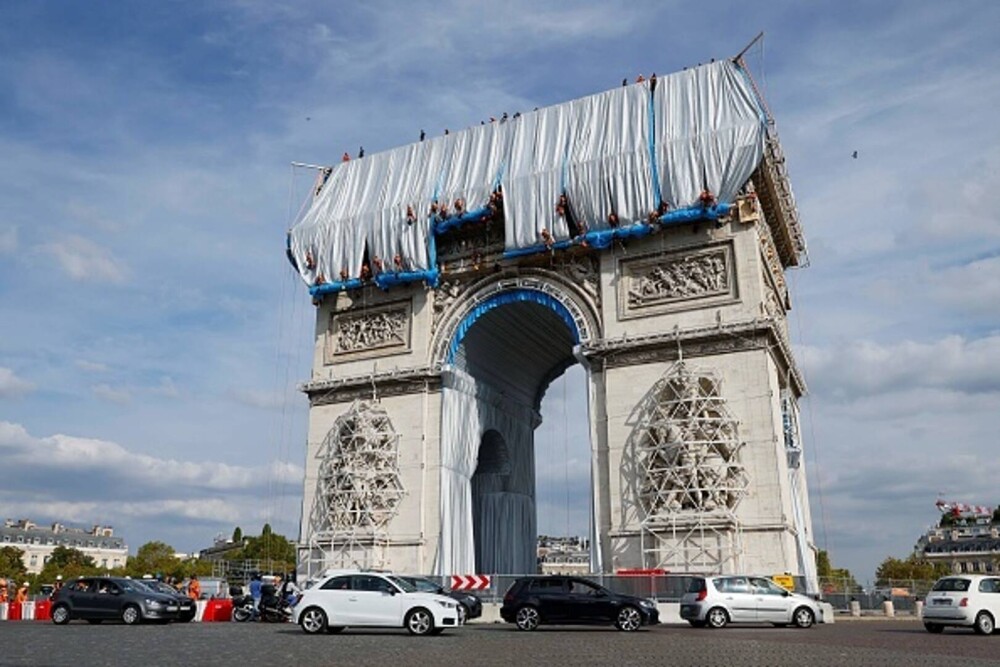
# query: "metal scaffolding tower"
{"type": "Point", "coordinates": [690, 475]}
{"type": "Point", "coordinates": [358, 490]}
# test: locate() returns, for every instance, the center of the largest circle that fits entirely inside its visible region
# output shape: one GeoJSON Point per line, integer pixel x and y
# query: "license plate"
{"type": "Point", "coordinates": [171, 608]}
{"type": "Point", "coordinates": [942, 601]}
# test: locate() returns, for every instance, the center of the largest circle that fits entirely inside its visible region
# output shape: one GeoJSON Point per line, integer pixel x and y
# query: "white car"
{"type": "Point", "coordinates": [718, 600]}
{"type": "Point", "coordinates": [970, 600]}
{"type": "Point", "coordinates": [372, 599]}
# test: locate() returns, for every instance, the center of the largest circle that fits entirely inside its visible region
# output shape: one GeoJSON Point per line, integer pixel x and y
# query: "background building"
{"type": "Point", "coordinates": [967, 538]}
{"type": "Point", "coordinates": [38, 543]}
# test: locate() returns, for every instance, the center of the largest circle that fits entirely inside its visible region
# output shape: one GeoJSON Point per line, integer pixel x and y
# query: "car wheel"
{"type": "Point", "coordinates": [934, 628]}
{"type": "Point", "coordinates": [419, 621]}
{"type": "Point", "coordinates": [242, 614]}
{"type": "Point", "coordinates": [803, 617]}
{"type": "Point", "coordinates": [717, 617]}
{"type": "Point", "coordinates": [984, 623]}
{"type": "Point", "coordinates": [131, 615]}
{"type": "Point", "coordinates": [527, 618]}
{"type": "Point", "coordinates": [313, 621]}
{"type": "Point", "coordinates": [697, 624]}
{"type": "Point", "coordinates": [629, 619]}
{"type": "Point", "coordinates": [60, 615]}
{"type": "Point", "coordinates": [463, 613]}
{"type": "Point", "coordinates": [334, 629]}
{"type": "Point", "coordinates": [94, 621]}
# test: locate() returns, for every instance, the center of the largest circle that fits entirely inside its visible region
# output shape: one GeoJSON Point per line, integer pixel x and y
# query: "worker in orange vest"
{"type": "Point", "coordinates": [194, 588]}
{"type": "Point", "coordinates": [22, 593]}
{"type": "Point", "coordinates": [3, 591]}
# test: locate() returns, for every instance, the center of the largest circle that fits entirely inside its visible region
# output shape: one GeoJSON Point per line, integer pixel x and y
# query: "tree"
{"type": "Point", "coordinates": [913, 568]}
{"type": "Point", "coordinates": [833, 579]}
{"type": "Point", "coordinates": [64, 557]}
{"type": "Point", "coordinates": [154, 558]}
{"type": "Point", "coordinates": [996, 515]}
{"type": "Point", "coordinates": [12, 563]}
{"type": "Point", "coordinates": [237, 535]}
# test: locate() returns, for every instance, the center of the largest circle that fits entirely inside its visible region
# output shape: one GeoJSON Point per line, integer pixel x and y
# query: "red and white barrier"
{"type": "Point", "coordinates": [470, 582]}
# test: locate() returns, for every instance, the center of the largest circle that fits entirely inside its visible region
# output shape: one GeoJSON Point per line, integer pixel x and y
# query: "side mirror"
{"type": "Point", "coordinates": [785, 594]}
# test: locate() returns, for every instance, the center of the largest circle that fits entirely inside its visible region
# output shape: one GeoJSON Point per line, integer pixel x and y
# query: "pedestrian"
{"type": "Point", "coordinates": [289, 590]}
{"type": "Point", "coordinates": [345, 157]}
{"type": "Point", "coordinates": [255, 585]}
{"type": "Point", "coordinates": [194, 588]}
{"type": "Point", "coordinates": [3, 591]}
{"type": "Point", "coordinates": [361, 152]}
{"type": "Point", "coordinates": [22, 593]}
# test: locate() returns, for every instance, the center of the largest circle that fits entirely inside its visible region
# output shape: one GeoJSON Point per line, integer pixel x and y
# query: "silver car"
{"type": "Point", "coordinates": [716, 601]}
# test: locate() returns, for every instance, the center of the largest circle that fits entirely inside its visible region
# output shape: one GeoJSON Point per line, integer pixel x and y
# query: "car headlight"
{"type": "Point", "coordinates": [648, 604]}
{"type": "Point", "coordinates": [153, 603]}
{"type": "Point", "coordinates": [447, 605]}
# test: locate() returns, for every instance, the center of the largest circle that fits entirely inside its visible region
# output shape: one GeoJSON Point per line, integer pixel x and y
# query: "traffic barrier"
{"type": "Point", "coordinates": [43, 610]}
{"type": "Point", "coordinates": [199, 610]}
{"type": "Point", "coordinates": [3, 611]}
{"type": "Point", "coordinates": [217, 611]}
{"type": "Point", "coordinates": [13, 611]}
{"type": "Point", "coordinates": [28, 611]}
{"type": "Point", "coordinates": [470, 582]}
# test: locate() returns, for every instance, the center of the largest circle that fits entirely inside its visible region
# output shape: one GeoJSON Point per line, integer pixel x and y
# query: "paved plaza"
{"type": "Point", "coordinates": [856, 643]}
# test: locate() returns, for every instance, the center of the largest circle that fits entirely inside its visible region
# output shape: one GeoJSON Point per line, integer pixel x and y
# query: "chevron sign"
{"type": "Point", "coordinates": [469, 582]}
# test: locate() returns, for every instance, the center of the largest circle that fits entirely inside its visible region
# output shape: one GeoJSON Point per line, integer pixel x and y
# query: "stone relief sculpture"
{"type": "Point", "coordinates": [375, 328]}
{"type": "Point", "coordinates": [358, 487]}
{"type": "Point", "coordinates": [678, 278]}
{"type": "Point", "coordinates": [688, 448]}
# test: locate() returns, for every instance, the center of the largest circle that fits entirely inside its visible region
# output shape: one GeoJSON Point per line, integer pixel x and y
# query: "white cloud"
{"type": "Point", "coordinates": [259, 399]}
{"type": "Point", "coordinates": [853, 370]}
{"type": "Point", "coordinates": [109, 393]}
{"type": "Point", "coordinates": [82, 480]}
{"type": "Point", "coordinates": [11, 385]}
{"type": "Point", "coordinates": [85, 260]}
{"type": "Point", "coordinates": [166, 388]}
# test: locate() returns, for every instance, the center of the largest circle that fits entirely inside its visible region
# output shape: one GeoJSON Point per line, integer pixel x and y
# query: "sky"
{"type": "Point", "coordinates": [152, 334]}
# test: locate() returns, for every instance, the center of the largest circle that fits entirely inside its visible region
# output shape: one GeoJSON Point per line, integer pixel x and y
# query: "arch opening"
{"type": "Point", "coordinates": [503, 357]}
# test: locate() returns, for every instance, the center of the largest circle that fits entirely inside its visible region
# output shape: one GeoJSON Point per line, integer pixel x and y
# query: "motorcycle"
{"type": "Point", "coordinates": [273, 608]}
{"type": "Point", "coordinates": [243, 609]}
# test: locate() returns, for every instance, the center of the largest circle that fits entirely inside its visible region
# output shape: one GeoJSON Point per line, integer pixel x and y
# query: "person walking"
{"type": "Point", "coordinates": [194, 588]}
{"type": "Point", "coordinates": [255, 584]}
{"type": "Point", "coordinates": [22, 593]}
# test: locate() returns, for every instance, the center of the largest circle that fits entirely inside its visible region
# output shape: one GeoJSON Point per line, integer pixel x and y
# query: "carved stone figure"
{"type": "Point", "coordinates": [355, 332]}
{"type": "Point", "coordinates": [678, 277]}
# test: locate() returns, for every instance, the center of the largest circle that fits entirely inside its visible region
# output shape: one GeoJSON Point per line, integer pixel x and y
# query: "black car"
{"type": "Point", "coordinates": [97, 599]}
{"type": "Point", "coordinates": [469, 606]}
{"type": "Point", "coordinates": [186, 609]}
{"type": "Point", "coordinates": [531, 601]}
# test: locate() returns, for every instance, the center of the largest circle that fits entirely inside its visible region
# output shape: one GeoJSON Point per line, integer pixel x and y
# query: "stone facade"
{"type": "Point", "coordinates": [711, 295]}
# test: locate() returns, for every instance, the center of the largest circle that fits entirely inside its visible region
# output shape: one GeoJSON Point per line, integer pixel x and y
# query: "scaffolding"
{"type": "Point", "coordinates": [690, 475]}
{"type": "Point", "coordinates": [358, 490]}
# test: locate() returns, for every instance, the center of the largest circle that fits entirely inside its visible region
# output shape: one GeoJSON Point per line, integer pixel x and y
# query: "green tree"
{"type": "Point", "coordinates": [833, 579]}
{"type": "Point", "coordinates": [912, 567]}
{"type": "Point", "coordinates": [237, 535]}
{"type": "Point", "coordinates": [11, 563]}
{"type": "Point", "coordinates": [155, 558]}
{"type": "Point", "coordinates": [63, 557]}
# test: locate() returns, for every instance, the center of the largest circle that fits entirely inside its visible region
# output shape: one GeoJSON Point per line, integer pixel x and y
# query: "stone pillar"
{"type": "Point", "coordinates": [855, 608]}
{"type": "Point", "coordinates": [888, 609]}
{"type": "Point", "coordinates": [919, 608]}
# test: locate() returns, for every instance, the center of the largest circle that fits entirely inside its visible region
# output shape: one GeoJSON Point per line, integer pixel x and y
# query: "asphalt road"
{"type": "Point", "coordinates": [845, 644]}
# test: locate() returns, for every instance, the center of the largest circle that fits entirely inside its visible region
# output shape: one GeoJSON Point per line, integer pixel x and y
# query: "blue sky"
{"type": "Point", "coordinates": [152, 334]}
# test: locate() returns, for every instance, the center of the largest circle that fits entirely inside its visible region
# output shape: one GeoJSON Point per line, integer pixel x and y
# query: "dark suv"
{"type": "Point", "coordinates": [564, 600]}
{"type": "Point", "coordinates": [469, 606]}
{"type": "Point", "coordinates": [97, 599]}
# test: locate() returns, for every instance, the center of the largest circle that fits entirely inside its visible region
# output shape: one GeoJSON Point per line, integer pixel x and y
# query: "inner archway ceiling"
{"type": "Point", "coordinates": [517, 349]}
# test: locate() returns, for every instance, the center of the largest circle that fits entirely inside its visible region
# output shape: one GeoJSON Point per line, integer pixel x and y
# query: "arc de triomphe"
{"type": "Point", "coordinates": [644, 233]}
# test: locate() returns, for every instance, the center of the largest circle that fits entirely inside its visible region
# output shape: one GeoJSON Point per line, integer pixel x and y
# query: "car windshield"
{"type": "Point", "coordinates": [403, 583]}
{"type": "Point", "coordinates": [952, 584]}
{"type": "Point", "coordinates": [137, 586]}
